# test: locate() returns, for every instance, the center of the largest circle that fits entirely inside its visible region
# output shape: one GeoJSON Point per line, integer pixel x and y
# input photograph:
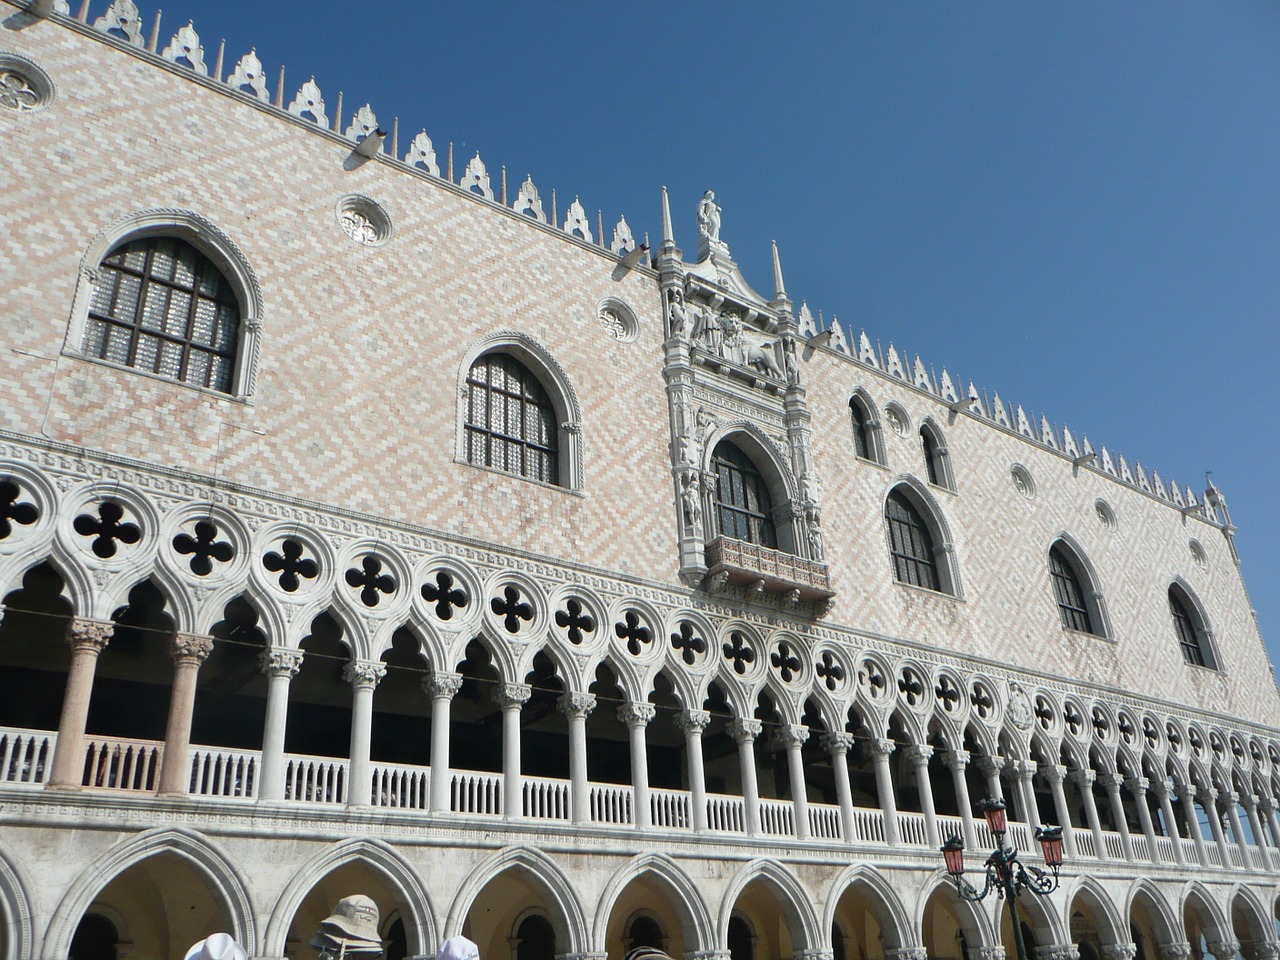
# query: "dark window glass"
{"type": "Point", "coordinates": [1066, 588]}
{"type": "Point", "coordinates": [162, 306]}
{"type": "Point", "coordinates": [1190, 638]}
{"type": "Point", "coordinates": [510, 422]}
{"type": "Point", "coordinates": [742, 498]}
{"type": "Point", "coordinates": [930, 445]}
{"type": "Point", "coordinates": [910, 543]}
{"type": "Point", "coordinates": [861, 437]}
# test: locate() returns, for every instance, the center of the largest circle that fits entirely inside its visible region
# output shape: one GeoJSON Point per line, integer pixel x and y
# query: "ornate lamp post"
{"type": "Point", "coordinates": [1005, 873]}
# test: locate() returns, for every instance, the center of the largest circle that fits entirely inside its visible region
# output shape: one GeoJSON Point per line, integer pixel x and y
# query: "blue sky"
{"type": "Point", "coordinates": [1074, 204]}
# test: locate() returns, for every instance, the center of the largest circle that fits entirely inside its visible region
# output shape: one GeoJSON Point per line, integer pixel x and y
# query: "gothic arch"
{"type": "Point", "coordinates": [926, 504]}
{"type": "Point", "coordinates": [861, 404]}
{"type": "Point", "coordinates": [895, 925]}
{"type": "Point", "coordinates": [15, 912]}
{"type": "Point", "coordinates": [1168, 925]}
{"type": "Point", "coordinates": [570, 923]}
{"type": "Point", "coordinates": [972, 920]}
{"type": "Point", "coordinates": [1203, 630]}
{"type": "Point", "coordinates": [1197, 895]}
{"type": "Point", "coordinates": [209, 240]}
{"type": "Point", "coordinates": [1095, 895]}
{"type": "Point", "coordinates": [564, 399]}
{"type": "Point", "coordinates": [422, 929]}
{"type": "Point", "coordinates": [796, 902]}
{"type": "Point", "coordinates": [1256, 912]}
{"type": "Point", "coordinates": [186, 844]}
{"type": "Point", "coordinates": [753, 441]}
{"type": "Point", "coordinates": [699, 935]}
{"type": "Point", "coordinates": [1091, 585]}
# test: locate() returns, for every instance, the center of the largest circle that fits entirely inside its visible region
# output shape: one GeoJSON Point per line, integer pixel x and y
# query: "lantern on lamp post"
{"type": "Point", "coordinates": [1005, 874]}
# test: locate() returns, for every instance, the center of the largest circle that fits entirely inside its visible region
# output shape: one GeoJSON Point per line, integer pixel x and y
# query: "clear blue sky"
{"type": "Point", "coordinates": [1075, 204]}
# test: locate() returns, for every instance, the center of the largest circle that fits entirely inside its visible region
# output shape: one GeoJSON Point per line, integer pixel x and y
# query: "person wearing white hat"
{"type": "Point", "coordinates": [217, 946]}
{"type": "Point", "coordinates": [458, 948]}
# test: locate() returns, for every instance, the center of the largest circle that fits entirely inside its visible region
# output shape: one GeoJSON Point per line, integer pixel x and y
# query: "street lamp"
{"type": "Point", "coordinates": [1005, 873]}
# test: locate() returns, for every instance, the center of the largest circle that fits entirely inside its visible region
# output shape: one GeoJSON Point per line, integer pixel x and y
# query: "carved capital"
{"type": "Point", "coordinates": [1177, 950]}
{"type": "Point", "coordinates": [693, 721]}
{"type": "Point", "coordinates": [1223, 949]}
{"type": "Point", "coordinates": [364, 673]}
{"type": "Point", "coordinates": [907, 953]}
{"type": "Point", "coordinates": [791, 735]}
{"type": "Point", "coordinates": [1082, 778]}
{"type": "Point", "coordinates": [1162, 789]}
{"type": "Point", "coordinates": [707, 955]}
{"type": "Point", "coordinates": [576, 705]}
{"type": "Point", "coordinates": [280, 663]}
{"type": "Point", "coordinates": [1112, 781]}
{"type": "Point", "coordinates": [442, 686]}
{"type": "Point", "coordinates": [188, 648]}
{"type": "Point", "coordinates": [986, 953]}
{"type": "Point", "coordinates": [878, 747]}
{"type": "Point", "coordinates": [1053, 772]}
{"type": "Point", "coordinates": [634, 714]}
{"type": "Point", "coordinates": [1057, 951]}
{"type": "Point", "coordinates": [837, 744]}
{"type": "Point", "coordinates": [511, 694]}
{"type": "Point", "coordinates": [745, 731]}
{"type": "Point", "coordinates": [1121, 951]}
{"type": "Point", "coordinates": [1137, 786]}
{"type": "Point", "coordinates": [919, 753]}
{"type": "Point", "coordinates": [1188, 790]}
{"type": "Point", "coordinates": [1266, 803]}
{"type": "Point", "coordinates": [813, 955]}
{"type": "Point", "coordinates": [89, 634]}
{"type": "Point", "coordinates": [990, 766]}
{"type": "Point", "coordinates": [956, 759]}
{"type": "Point", "coordinates": [1260, 949]}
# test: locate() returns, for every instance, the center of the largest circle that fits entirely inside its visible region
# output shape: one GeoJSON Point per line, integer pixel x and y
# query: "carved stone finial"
{"type": "Point", "coordinates": [709, 242]}
{"type": "Point", "coordinates": [308, 104]}
{"type": "Point", "coordinates": [577, 222]}
{"type": "Point", "coordinates": [422, 154]}
{"type": "Point", "coordinates": [121, 19]}
{"type": "Point", "coordinates": [528, 202]}
{"type": "Point", "coordinates": [186, 46]}
{"type": "Point", "coordinates": [623, 241]}
{"type": "Point", "coordinates": [476, 178]}
{"type": "Point", "coordinates": [363, 124]}
{"type": "Point", "coordinates": [248, 74]}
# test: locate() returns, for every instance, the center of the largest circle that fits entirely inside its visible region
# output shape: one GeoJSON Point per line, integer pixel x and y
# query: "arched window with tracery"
{"type": "Point", "coordinates": [510, 421]}
{"type": "Point", "coordinates": [162, 306]}
{"type": "Point", "coordinates": [1069, 590]}
{"type": "Point", "coordinates": [744, 509]}
{"type": "Point", "coordinates": [910, 543]}
{"type": "Point", "coordinates": [937, 460]}
{"type": "Point", "coordinates": [1189, 625]}
{"type": "Point", "coordinates": [866, 429]}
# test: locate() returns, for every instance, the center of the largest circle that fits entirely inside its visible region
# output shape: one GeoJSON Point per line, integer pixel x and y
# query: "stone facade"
{"type": "Point", "coordinates": [311, 554]}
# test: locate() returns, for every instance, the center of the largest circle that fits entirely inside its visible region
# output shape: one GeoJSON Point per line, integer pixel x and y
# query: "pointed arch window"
{"type": "Point", "coordinates": [510, 420]}
{"type": "Point", "coordinates": [937, 461]}
{"type": "Point", "coordinates": [910, 543]}
{"type": "Point", "coordinates": [744, 508]}
{"type": "Point", "coordinates": [1189, 626]}
{"type": "Point", "coordinates": [866, 429]}
{"type": "Point", "coordinates": [162, 306]}
{"type": "Point", "coordinates": [1073, 607]}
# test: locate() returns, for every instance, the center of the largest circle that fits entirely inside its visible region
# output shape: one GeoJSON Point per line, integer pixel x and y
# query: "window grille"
{"type": "Point", "coordinates": [1066, 588]}
{"type": "Point", "coordinates": [742, 498]}
{"type": "Point", "coordinates": [911, 544]}
{"type": "Point", "coordinates": [861, 435]}
{"type": "Point", "coordinates": [1190, 637]}
{"type": "Point", "coordinates": [510, 421]}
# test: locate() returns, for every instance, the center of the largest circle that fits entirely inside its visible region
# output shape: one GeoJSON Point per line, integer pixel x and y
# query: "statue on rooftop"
{"type": "Point", "coordinates": [709, 217]}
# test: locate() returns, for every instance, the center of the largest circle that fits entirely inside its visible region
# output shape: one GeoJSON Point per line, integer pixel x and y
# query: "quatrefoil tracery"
{"type": "Point", "coordinates": [444, 595]}
{"type": "Point", "coordinates": [511, 608]}
{"type": "Point", "coordinates": [687, 643]}
{"type": "Point", "coordinates": [203, 548]}
{"type": "Point", "coordinates": [738, 652]}
{"type": "Point", "coordinates": [107, 528]}
{"type": "Point", "coordinates": [830, 670]}
{"type": "Point", "coordinates": [574, 621]}
{"type": "Point", "coordinates": [12, 511]}
{"type": "Point", "coordinates": [373, 583]}
{"type": "Point", "coordinates": [292, 566]}
{"type": "Point", "coordinates": [635, 633]}
{"type": "Point", "coordinates": [784, 661]}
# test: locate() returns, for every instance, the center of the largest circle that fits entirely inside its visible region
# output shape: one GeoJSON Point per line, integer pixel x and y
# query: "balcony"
{"type": "Point", "coordinates": [766, 570]}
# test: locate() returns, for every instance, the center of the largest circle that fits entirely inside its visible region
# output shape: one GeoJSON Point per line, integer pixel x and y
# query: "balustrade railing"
{"type": "Point", "coordinates": [911, 828]}
{"type": "Point", "coordinates": [315, 779]}
{"type": "Point", "coordinates": [1084, 844]}
{"type": "Point", "coordinates": [224, 773]}
{"type": "Point", "coordinates": [400, 786]}
{"type": "Point", "coordinates": [26, 755]}
{"type": "Point", "coordinates": [119, 764]}
{"type": "Point", "coordinates": [1114, 844]}
{"type": "Point", "coordinates": [546, 799]}
{"type": "Point", "coordinates": [824, 822]}
{"type": "Point", "coordinates": [671, 809]}
{"type": "Point", "coordinates": [1164, 850]}
{"type": "Point", "coordinates": [950, 827]}
{"type": "Point", "coordinates": [611, 803]}
{"type": "Point", "coordinates": [726, 814]}
{"type": "Point", "coordinates": [868, 825]}
{"type": "Point", "coordinates": [478, 794]}
{"type": "Point", "coordinates": [1189, 852]}
{"type": "Point", "coordinates": [777, 818]}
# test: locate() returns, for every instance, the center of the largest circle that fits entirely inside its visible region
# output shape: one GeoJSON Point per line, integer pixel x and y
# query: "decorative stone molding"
{"type": "Point", "coordinates": [364, 220]}
{"type": "Point", "coordinates": [511, 694]}
{"type": "Point", "coordinates": [1057, 951]}
{"type": "Point", "coordinates": [814, 954]}
{"type": "Point", "coordinates": [190, 648]}
{"type": "Point", "coordinates": [281, 663]}
{"type": "Point", "coordinates": [24, 87]}
{"type": "Point", "coordinates": [84, 632]}
{"type": "Point", "coordinates": [364, 673]}
{"type": "Point", "coordinates": [956, 759]}
{"type": "Point", "coordinates": [879, 747]}
{"type": "Point", "coordinates": [636, 714]}
{"type": "Point", "coordinates": [1223, 949]}
{"type": "Point", "coordinates": [442, 686]}
{"type": "Point", "coordinates": [791, 734]}
{"type": "Point", "coordinates": [744, 731]}
{"type": "Point", "coordinates": [837, 744]}
{"type": "Point", "coordinates": [986, 953]}
{"type": "Point", "coordinates": [693, 721]}
{"type": "Point", "coordinates": [906, 953]}
{"type": "Point", "coordinates": [918, 753]}
{"type": "Point", "coordinates": [1137, 785]}
{"type": "Point", "coordinates": [576, 705]}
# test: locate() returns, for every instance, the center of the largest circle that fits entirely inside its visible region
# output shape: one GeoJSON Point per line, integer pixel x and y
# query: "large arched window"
{"type": "Point", "coordinates": [162, 306]}
{"type": "Point", "coordinates": [1193, 638]}
{"type": "Point", "coordinates": [744, 509]}
{"type": "Point", "coordinates": [1068, 589]}
{"type": "Point", "coordinates": [510, 422]}
{"type": "Point", "coordinates": [910, 543]}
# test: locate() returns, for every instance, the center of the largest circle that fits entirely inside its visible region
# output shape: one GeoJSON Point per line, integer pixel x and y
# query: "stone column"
{"type": "Point", "coordinates": [990, 768]}
{"type": "Point", "coordinates": [1162, 790]}
{"type": "Point", "coordinates": [1237, 830]}
{"type": "Point", "coordinates": [1083, 780]}
{"type": "Point", "coordinates": [838, 744]}
{"type": "Point", "coordinates": [576, 707]}
{"type": "Point", "coordinates": [1023, 772]}
{"type": "Point", "coordinates": [87, 638]}
{"type": "Point", "coordinates": [1268, 807]}
{"type": "Point", "coordinates": [1138, 787]}
{"type": "Point", "coordinates": [1215, 827]}
{"type": "Point", "coordinates": [1250, 803]}
{"type": "Point", "coordinates": [441, 688]}
{"type": "Point", "coordinates": [1112, 782]}
{"type": "Point", "coordinates": [880, 749]}
{"type": "Point", "coordinates": [636, 716]}
{"type": "Point", "coordinates": [511, 697]}
{"type": "Point", "coordinates": [280, 666]}
{"type": "Point", "coordinates": [1187, 795]}
{"type": "Point", "coordinates": [793, 738]}
{"type": "Point", "coordinates": [744, 733]}
{"type": "Point", "coordinates": [1055, 774]}
{"type": "Point", "coordinates": [692, 723]}
{"type": "Point", "coordinates": [188, 650]}
{"type": "Point", "coordinates": [956, 761]}
{"type": "Point", "coordinates": [363, 675]}
{"type": "Point", "coordinates": [918, 755]}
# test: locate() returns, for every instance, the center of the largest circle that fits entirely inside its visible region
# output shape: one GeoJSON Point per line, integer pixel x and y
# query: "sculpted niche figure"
{"type": "Point", "coordinates": [709, 217]}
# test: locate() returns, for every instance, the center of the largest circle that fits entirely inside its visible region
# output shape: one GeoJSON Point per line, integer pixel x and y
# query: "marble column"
{"type": "Point", "coordinates": [1187, 794]}
{"type": "Point", "coordinates": [188, 650]}
{"type": "Point", "coordinates": [636, 716]}
{"type": "Point", "coordinates": [1023, 772]}
{"type": "Point", "coordinates": [1268, 807]}
{"type": "Point", "coordinates": [1055, 774]}
{"type": "Point", "coordinates": [744, 733]}
{"type": "Point", "coordinates": [1255, 825]}
{"type": "Point", "coordinates": [280, 667]}
{"type": "Point", "coordinates": [87, 638]}
{"type": "Point", "coordinates": [990, 768]}
{"type": "Point", "coordinates": [956, 761]}
{"type": "Point", "coordinates": [1137, 786]}
{"type": "Point", "coordinates": [918, 755]}
{"type": "Point", "coordinates": [1214, 816]}
{"type": "Point", "coordinates": [1113, 782]}
{"type": "Point", "coordinates": [792, 737]}
{"type": "Point", "coordinates": [576, 707]}
{"type": "Point", "coordinates": [510, 697]}
{"type": "Point", "coordinates": [441, 688]}
{"type": "Point", "coordinates": [837, 745]}
{"type": "Point", "coordinates": [880, 749]}
{"type": "Point", "coordinates": [693, 723]}
{"type": "Point", "coordinates": [363, 675]}
{"type": "Point", "coordinates": [1232, 802]}
{"type": "Point", "coordinates": [1083, 779]}
{"type": "Point", "coordinates": [1162, 789]}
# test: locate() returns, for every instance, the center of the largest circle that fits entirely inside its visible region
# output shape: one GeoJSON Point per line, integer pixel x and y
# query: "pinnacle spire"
{"type": "Point", "coordinates": [668, 235]}
{"type": "Point", "coordinates": [779, 288]}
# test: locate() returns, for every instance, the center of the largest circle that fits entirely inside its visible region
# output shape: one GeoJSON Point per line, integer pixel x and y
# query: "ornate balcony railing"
{"type": "Point", "coordinates": [771, 571]}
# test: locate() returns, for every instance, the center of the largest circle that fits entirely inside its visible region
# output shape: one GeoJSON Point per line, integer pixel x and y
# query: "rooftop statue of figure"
{"type": "Point", "coordinates": [709, 217]}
